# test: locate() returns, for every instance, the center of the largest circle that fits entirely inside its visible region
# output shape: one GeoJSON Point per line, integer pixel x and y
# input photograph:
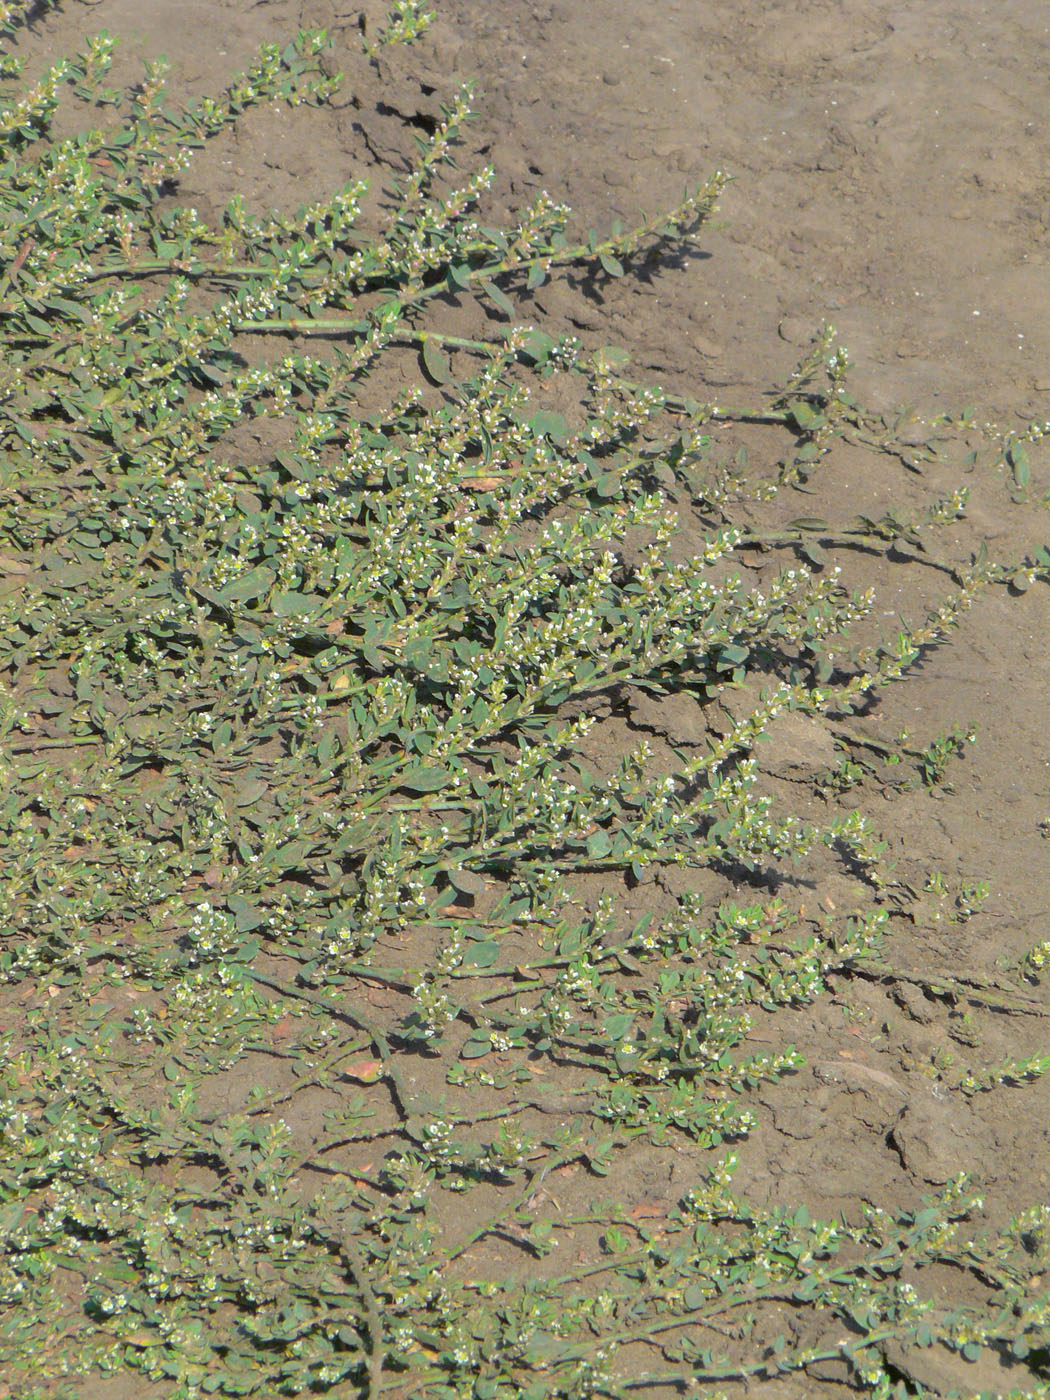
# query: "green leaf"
{"type": "Point", "coordinates": [540, 1346]}
{"type": "Point", "coordinates": [612, 265]}
{"type": "Point", "coordinates": [247, 586]}
{"type": "Point", "coordinates": [247, 790]}
{"type": "Point", "coordinates": [295, 604]}
{"type": "Point", "coordinates": [547, 424]}
{"type": "Point", "coordinates": [327, 748]}
{"type": "Point", "coordinates": [599, 845]}
{"type": "Point", "coordinates": [467, 881]}
{"type": "Point", "coordinates": [537, 347]}
{"type": "Point", "coordinates": [1017, 457]}
{"type": "Point", "coordinates": [298, 468]}
{"type": "Point", "coordinates": [613, 357]}
{"type": "Point", "coordinates": [481, 955]}
{"type": "Point", "coordinates": [246, 916]}
{"type": "Point", "coordinates": [291, 855]}
{"type": "Point", "coordinates": [500, 298]}
{"type": "Point", "coordinates": [616, 1027]}
{"type": "Point", "coordinates": [436, 363]}
{"type": "Point", "coordinates": [805, 417]}
{"type": "Point", "coordinates": [421, 779]}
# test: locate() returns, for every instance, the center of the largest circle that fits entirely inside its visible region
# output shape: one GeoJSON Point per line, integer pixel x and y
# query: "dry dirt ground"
{"type": "Point", "coordinates": [890, 164]}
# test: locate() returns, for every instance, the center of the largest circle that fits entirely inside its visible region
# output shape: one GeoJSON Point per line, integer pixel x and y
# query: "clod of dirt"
{"type": "Point", "coordinates": [677, 717]}
{"type": "Point", "coordinates": [876, 1096]}
{"type": "Point", "coordinates": [944, 1372]}
{"type": "Point", "coordinates": [710, 349]}
{"type": "Point", "coordinates": [796, 747]}
{"type": "Point", "coordinates": [936, 1139]}
{"type": "Point", "coordinates": [796, 330]}
{"type": "Point", "coordinates": [802, 1119]}
{"type": "Point", "coordinates": [913, 1002]}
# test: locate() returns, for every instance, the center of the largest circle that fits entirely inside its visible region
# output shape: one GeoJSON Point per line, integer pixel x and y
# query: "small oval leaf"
{"type": "Point", "coordinates": [423, 779]}
{"type": "Point", "coordinates": [467, 881]}
{"type": "Point", "coordinates": [481, 955]}
{"type": "Point", "coordinates": [500, 298]}
{"type": "Point", "coordinates": [436, 364]}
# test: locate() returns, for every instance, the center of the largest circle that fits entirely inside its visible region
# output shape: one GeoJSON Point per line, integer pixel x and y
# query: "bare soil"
{"type": "Point", "coordinates": [891, 176]}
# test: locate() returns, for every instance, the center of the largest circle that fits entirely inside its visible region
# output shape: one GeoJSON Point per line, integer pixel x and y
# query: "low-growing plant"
{"type": "Point", "coordinates": [304, 806]}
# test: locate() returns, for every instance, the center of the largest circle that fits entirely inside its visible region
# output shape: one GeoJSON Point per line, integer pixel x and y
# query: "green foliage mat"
{"type": "Point", "coordinates": [313, 967]}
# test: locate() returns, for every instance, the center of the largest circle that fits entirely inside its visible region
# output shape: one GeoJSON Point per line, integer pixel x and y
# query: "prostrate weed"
{"type": "Point", "coordinates": [317, 970]}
